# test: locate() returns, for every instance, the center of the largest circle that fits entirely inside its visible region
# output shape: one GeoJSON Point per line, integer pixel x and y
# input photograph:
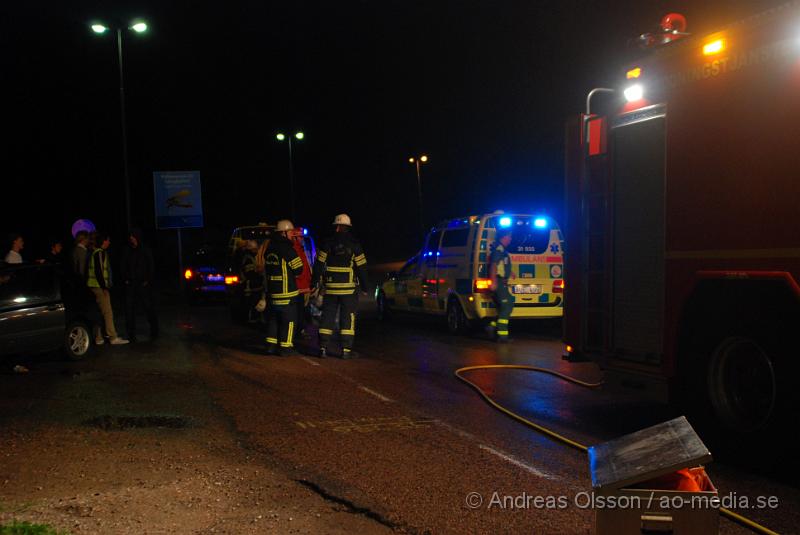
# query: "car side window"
{"type": "Point", "coordinates": [26, 286]}
{"type": "Point", "coordinates": [410, 269]}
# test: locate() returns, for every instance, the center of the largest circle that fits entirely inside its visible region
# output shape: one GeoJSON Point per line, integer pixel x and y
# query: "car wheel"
{"type": "Point", "coordinates": [456, 319]}
{"type": "Point", "coordinates": [77, 340]}
{"type": "Point", "coordinates": [383, 307]}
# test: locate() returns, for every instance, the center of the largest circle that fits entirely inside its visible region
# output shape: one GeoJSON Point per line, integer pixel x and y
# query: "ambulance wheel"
{"type": "Point", "coordinates": [457, 322]}
{"type": "Point", "coordinates": [384, 313]}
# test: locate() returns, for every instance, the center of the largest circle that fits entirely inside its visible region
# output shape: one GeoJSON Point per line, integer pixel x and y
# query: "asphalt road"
{"type": "Point", "coordinates": [390, 441]}
{"type": "Point", "coordinates": [398, 438]}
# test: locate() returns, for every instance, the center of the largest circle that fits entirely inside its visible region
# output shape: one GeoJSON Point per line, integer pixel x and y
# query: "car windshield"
{"type": "Point", "coordinates": [207, 256]}
{"type": "Point", "coordinates": [530, 235]}
{"type": "Point", "coordinates": [259, 234]}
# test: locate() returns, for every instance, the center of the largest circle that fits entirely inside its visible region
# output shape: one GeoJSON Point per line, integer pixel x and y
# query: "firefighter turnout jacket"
{"type": "Point", "coordinates": [341, 265]}
{"type": "Point", "coordinates": [281, 266]}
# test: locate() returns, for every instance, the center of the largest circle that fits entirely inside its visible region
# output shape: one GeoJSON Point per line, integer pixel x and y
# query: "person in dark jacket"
{"type": "Point", "coordinates": [281, 267]}
{"type": "Point", "coordinates": [138, 270]}
{"type": "Point", "coordinates": [340, 268]}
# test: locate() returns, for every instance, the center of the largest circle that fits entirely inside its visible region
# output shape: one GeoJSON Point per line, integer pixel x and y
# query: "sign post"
{"type": "Point", "coordinates": [178, 204]}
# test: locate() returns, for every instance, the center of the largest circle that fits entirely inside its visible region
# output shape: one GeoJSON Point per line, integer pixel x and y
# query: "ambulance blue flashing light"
{"type": "Point", "coordinates": [505, 221]}
{"type": "Point", "coordinates": [540, 222]}
{"type": "Point", "coordinates": [305, 232]}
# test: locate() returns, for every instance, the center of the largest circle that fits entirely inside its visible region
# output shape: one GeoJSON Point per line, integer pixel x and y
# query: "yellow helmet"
{"type": "Point", "coordinates": [342, 219]}
{"type": "Point", "coordinates": [284, 225]}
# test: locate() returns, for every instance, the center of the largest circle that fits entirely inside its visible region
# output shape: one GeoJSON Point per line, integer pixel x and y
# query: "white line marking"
{"type": "Point", "coordinates": [516, 462]}
{"type": "Point", "coordinates": [310, 361]}
{"type": "Point", "coordinates": [376, 394]}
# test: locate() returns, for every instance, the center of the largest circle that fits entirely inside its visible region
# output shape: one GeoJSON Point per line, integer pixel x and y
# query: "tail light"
{"type": "Point", "coordinates": [232, 279]}
{"type": "Point", "coordinates": [188, 274]}
{"type": "Point", "coordinates": [558, 286]}
{"type": "Point", "coordinates": [482, 286]}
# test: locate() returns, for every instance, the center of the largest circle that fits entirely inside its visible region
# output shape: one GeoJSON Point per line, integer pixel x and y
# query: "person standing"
{"type": "Point", "coordinates": [56, 255]}
{"type": "Point", "coordinates": [303, 280]}
{"type": "Point", "coordinates": [340, 267]}
{"type": "Point", "coordinates": [99, 282]}
{"type": "Point", "coordinates": [499, 273]}
{"type": "Point", "coordinates": [281, 266]}
{"type": "Point", "coordinates": [138, 272]}
{"type": "Point", "coordinates": [252, 280]}
{"type": "Point", "coordinates": [80, 256]}
{"type": "Point", "coordinates": [16, 244]}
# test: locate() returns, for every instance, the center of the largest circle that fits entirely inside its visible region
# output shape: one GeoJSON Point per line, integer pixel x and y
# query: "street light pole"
{"type": "Point", "coordinates": [281, 137]}
{"type": "Point", "coordinates": [124, 132]}
{"type": "Point", "coordinates": [291, 179]}
{"type": "Point", "coordinates": [138, 27]}
{"type": "Point", "coordinates": [418, 161]}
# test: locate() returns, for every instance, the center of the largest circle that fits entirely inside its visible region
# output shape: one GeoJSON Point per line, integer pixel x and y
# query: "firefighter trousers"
{"type": "Point", "coordinates": [505, 305]}
{"type": "Point", "coordinates": [346, 306]}
{"type": "Point", "coordinates": [281, 321]}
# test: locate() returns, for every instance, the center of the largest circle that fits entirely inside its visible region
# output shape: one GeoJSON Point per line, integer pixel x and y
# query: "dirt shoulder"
{"type": "Point", "coordinates": [131, 442]}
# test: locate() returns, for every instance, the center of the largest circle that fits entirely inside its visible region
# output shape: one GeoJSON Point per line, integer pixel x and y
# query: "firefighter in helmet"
{"type": "Point", "coordinates": [499, 273]}
{"type": "Point", "coordinates": [340, 268]}
{"type": "Point", "coordinates": [281, 266]}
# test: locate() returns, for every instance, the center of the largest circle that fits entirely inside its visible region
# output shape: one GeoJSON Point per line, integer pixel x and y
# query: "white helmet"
{"type": "Point", "coordinates": [342, 219]}
{"type": "Point", "coordinates": [284, 225]}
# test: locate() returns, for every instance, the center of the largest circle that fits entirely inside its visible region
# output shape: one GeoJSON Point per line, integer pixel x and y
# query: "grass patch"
{"type": "Point", "coordinates": [26, 528]}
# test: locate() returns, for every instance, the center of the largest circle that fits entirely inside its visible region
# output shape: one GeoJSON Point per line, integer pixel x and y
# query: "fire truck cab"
{"type": "Point", "coordinates": [684, 227]}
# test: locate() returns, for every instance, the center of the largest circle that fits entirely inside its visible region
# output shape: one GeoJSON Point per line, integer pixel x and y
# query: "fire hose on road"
{"type": "Point", "coordinates": [725, 513]}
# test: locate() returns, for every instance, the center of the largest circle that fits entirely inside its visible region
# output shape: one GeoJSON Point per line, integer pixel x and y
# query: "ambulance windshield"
{"type": "Point", "coordinates": [530, 235]}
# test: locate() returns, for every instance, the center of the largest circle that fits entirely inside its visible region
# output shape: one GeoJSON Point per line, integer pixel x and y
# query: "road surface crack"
{"type": "Point", "coordinates": [358, 510]}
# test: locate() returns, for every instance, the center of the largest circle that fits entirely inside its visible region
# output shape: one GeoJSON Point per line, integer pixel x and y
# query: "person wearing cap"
{"type": "Point", "coordinates": [281, 267]}
{"type": "Point", "coordinates": [340, 268]}
{"type": "Point", "coordinates": [499, 273]}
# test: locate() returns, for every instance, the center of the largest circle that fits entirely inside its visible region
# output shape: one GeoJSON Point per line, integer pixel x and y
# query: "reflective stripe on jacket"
{"type": "Point", "coordinates": [104, 270]}
{"type": "Point", "coordinates": [341, 265]}
{"type": "Point", "coordinates": [281, 266]}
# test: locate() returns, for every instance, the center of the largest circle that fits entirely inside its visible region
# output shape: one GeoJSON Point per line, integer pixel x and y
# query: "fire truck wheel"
{"type": "Point", "coordinates": [457, 322]}
{"type": "Point", "coordinates": [736, 391]}
{"type": "Point", "coordinates": [742, 385]}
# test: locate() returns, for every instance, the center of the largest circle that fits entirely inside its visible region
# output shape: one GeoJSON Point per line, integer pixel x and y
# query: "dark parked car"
{"type": "Point", "coordinates": [35, 316]}
{"type": "Point", "coordinates": [206, 274]}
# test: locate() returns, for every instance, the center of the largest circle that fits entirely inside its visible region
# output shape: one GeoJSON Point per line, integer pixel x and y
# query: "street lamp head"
{"type": "Point", "coordinates": [299, 135]}
{"type": "Point", "coordinates": [423, 158]}
{"type": "Point", "coordinates": [99, 28]}
{"type": "Point", "coordinates": [139, 27]}
{"type": "Point", "coordinates": [280, 137]}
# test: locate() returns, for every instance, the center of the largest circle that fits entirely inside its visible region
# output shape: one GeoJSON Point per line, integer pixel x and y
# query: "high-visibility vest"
{"type": "Point", "coordinates": [92, 281]}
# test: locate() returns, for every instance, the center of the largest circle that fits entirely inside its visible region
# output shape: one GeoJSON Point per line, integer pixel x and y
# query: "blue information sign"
{"type": "Point", "coordinates": [178, 199]}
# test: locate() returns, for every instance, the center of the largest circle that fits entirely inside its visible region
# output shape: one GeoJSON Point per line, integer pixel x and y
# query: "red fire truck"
{"type": "Point", "coordinates": [683, 224]}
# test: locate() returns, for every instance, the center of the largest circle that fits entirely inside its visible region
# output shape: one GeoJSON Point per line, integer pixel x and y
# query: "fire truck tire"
{"type": "Point", "coordinates": [457, 322]}
{"type": "Point", "coordinates": [738, 394]}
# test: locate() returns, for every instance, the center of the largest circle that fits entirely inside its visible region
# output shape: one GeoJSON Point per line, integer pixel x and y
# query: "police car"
{"type": "Point", "coordinates": [450, 276]}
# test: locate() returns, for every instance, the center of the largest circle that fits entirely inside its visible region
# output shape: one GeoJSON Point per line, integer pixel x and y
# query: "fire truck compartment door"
{"type": "Point", "coordinates": [638, 253]}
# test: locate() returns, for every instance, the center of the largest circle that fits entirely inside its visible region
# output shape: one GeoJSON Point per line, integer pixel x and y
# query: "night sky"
{"type": "Point", "coordinates": [483, 88]}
